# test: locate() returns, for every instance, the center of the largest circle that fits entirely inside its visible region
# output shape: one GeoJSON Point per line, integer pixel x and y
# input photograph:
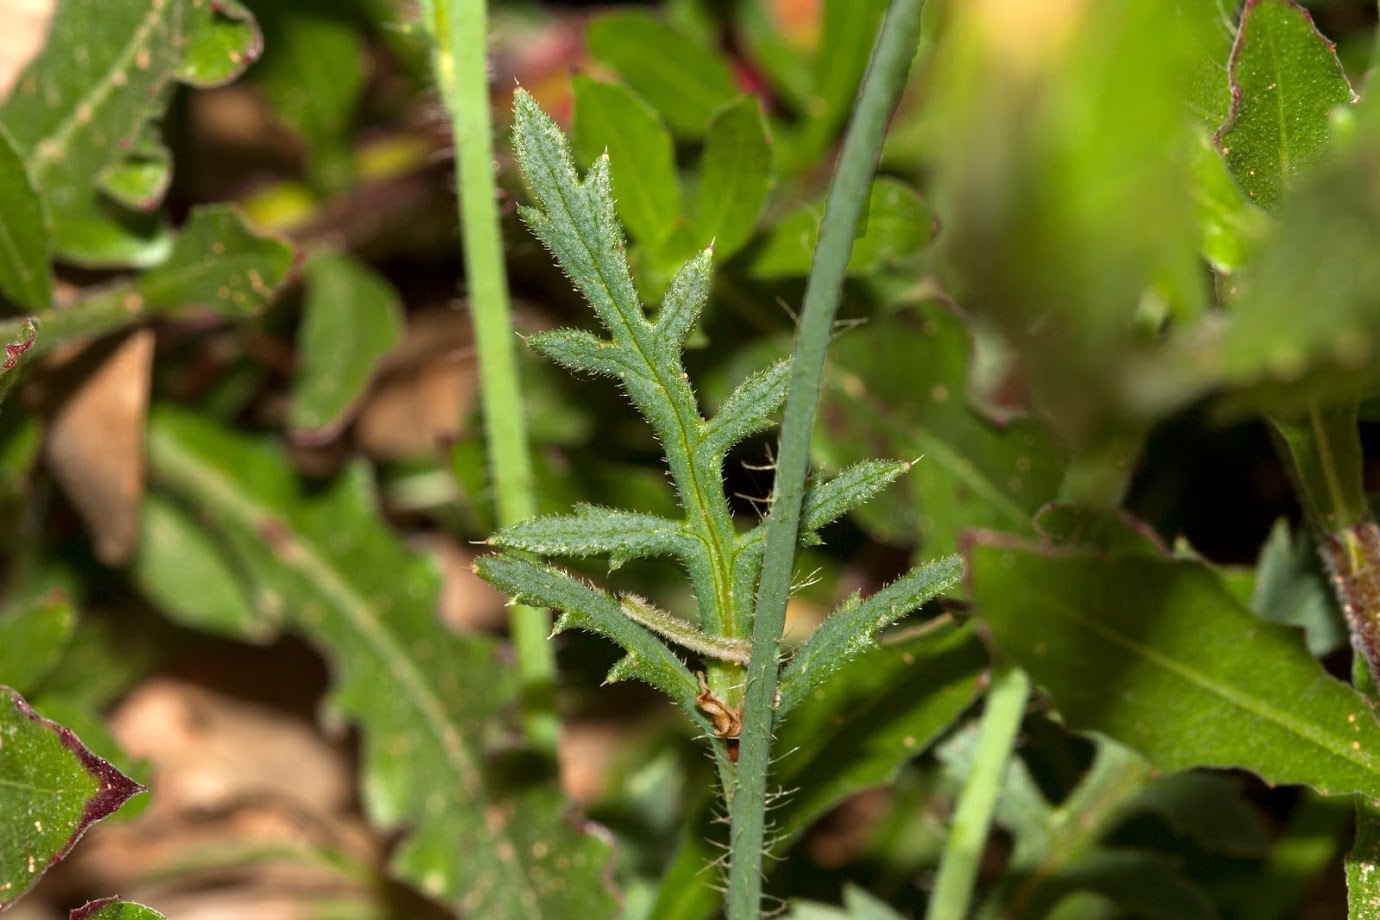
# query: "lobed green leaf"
{"type": "Point", "coordinates": [853, 628]}
{"type": "Point", "coordinates": [750, 408]}
{"type": "Point", "coordinates": [681, 307]}
{"type": "Point", "coordinates": [82, 106]}
{"type": "Point", "coordinates": [478, 838]}
{"type": "Point", "coordinates": [580, 351]}
{"type": "Point", "coordinates": [829, 500]}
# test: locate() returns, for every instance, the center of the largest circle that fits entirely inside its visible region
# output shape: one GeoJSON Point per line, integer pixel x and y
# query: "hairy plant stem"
{"type": "Point", "coordinates": [881, 89]}
{"type": "Point", "coordinates": [459, 32]}
{"type": "Point", "coordinates": [1001, 719]}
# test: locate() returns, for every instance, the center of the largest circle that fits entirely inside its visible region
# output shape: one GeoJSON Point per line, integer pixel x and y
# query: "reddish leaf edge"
{"type": "Point", "coordinates": [115, 788]}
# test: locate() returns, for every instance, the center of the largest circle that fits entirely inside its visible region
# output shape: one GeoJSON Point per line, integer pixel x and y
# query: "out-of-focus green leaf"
{"type": "Point", "coordinates": [25, 236]}
{"type": "Point", "coordinates": [1291, 588]}
{"type": "Point", "coordinates": [879, 711]}
{"type": "Point", "coordinates": [83, 104]}
{"type": "Point", "coordinates": [1046, 132]}
{"type": "Point", "coordinates": [1286, 80]}
{"type": "Point", "coordinates": [1323, 450]}
{"type": "Point", "coordinates": [180, 568]}
{"type": "Point", "coordinates": [897, 388]}
{"type": "Point", "coordinates": [1154, 652]}
{"type": "Point", "coordinates": [140, 179]}
{"type": "Point", "coordinates": [482, 835]}
{"type": "Point", "coordinates": [351, 318]}
{"type": "Point", "coordinates": [32, 639]}
{"type": "Point", "coordinates": [898, 224]}
{"type": "Point", "coordinates": [114, 909]}
{"type": "Point", "coordinates": [683, 80]}
{"type": "Point", "coordinates": [858, 904]}
{"type": "Point", "coordinates": [1207, 86]}
{"type": "Point", "coordinates": [641, 157]}
{"type": "Point", "coordinates": [1229, 224]}
{"type": "Point", "coordinates": [312, 73]}
{"type": "Point", "coordinates": [220, 263]}
{"type": "Point", "coordinates": [848, 30]}
{"type": "Point", "coordinates": [54, 790]}
{"type": "Point", "coordinates": [735, 177]}
{"type": "Point", "coordinates": [1078, 525]}
{"type": "Point", "coordinates": [1272, 354]}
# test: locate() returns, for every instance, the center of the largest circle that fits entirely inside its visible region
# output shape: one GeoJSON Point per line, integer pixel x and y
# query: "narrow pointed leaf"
{"type": "Point", "coordinates": [826, 502]}
{"type": "Point", "coordinates": [53, 790]}
{"type": "Point", "coordinates": [595, 531]}
{"type": "Point", "coordinates": [474, 837]}
{"type": "Point", "coordinates": [1286, 80]}
{"type": "Point", "coordinates": [750, 408]}
{"type": "Point", "coordinates": [680, 308]}
{"type": "Point", "coordinates": [1154, 652]}
{"type": "Point", "coordinates": [853, 628]}
{"type": "Point", "coordinates": [612, 118]}
{"type": "Point", "coordinates": [580, 351]}
{"type": "Point", "coordinates": [583, 607]}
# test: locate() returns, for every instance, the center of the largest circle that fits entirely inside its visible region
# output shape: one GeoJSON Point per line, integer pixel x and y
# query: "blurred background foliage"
{"type": "Point", "coordinates": [1089, 272]}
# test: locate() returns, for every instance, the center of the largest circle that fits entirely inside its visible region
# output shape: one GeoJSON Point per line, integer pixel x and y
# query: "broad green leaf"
{"type": "Point", "coordinates": [25, 235]}
{"type": "Point", "coordinates": [351, 318]}
{"type": "Point", "coordinates": [32, 640]}
{"type": "Point", "coordinates": [881, 710]}
{"type": "Point", "coordinates": [54, 789]}
{"type": "Point", "coordinates": [684, 81]}
{"type": "Point", "coordinates": [183, 570]}
{"type": "Point", "coordinates": [1154, 652]}
{"type": "Point", "coordinates": [1286, 80]}
{"type": "Point", "coordinates": [1064, 524]}
{"type": "Point", "coordinates": [1207, 86]}
{"type": "Point", "coordinates": [83, 104]}
{"type": "Point", "coordinates": [735, 177]}
{"type": "Point", "coordinates": [478, 836]}
{"type": "Point", "coordinates": [220, 263]}
{"type": "Point", "coordinates": [114, 909]}
{"type": "Point", "coordinates": [897, 387]}
{"type": "Point", "coordinates": [610, 118]}
{"type": "Point", "coordinates": [312, 74]}
{"type": "Point", "coordinates": [898, 225]}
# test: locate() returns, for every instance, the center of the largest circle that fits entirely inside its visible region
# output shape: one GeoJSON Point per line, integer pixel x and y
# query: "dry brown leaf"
{"type": "Point", "coordinates": [426, 389]}
{"type": "Point", "coordinates": [22, 38]}
{"type": "Point", "coordinates": [95, 439]}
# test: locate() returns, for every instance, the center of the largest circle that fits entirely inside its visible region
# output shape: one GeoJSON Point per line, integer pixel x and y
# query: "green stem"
{"type": "Point", "coordinates": [862, 144]}
{"type": "Point", "coordinates": [459, 31]}
{"type": "Point", "coordinates": [953, 890]}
